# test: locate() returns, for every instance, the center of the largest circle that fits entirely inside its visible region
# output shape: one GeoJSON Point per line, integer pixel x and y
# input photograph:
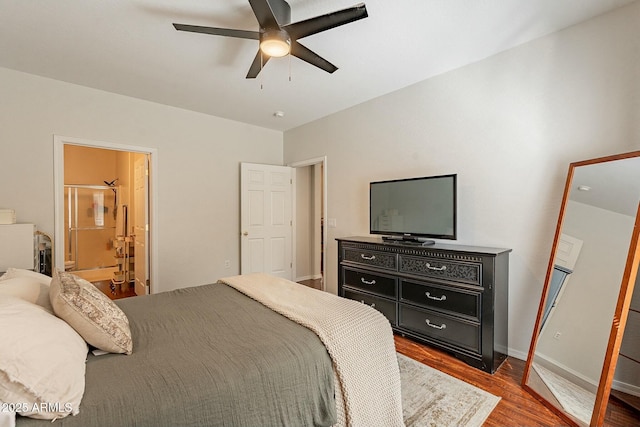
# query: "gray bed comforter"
{"type": "Point", "coordinates": [207, 356]}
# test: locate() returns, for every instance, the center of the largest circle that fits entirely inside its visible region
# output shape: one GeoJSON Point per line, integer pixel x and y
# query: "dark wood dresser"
{"type": "Point", "coordinates": [453, 297]}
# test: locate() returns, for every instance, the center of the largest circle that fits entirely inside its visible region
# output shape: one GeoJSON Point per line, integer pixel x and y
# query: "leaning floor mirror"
{"type": "Point", "coordinates": [587, 291]}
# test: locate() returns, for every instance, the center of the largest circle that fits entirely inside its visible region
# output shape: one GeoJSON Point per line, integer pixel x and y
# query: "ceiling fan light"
{"type": "Point", "coordinates": [275, 44]}
{"type": "Point", "coordinates": [275, 48]}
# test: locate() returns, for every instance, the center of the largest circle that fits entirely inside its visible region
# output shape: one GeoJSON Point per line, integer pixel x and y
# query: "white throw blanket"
{"type": "Point", "coordinates": [358, 338]}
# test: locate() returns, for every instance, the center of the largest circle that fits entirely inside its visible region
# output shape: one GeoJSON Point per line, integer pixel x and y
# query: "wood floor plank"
{"type": "Point", "coordinates": [517, 407]}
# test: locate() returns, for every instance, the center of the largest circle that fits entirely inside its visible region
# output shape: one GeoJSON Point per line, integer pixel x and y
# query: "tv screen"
{"type": "Point", "coordinates": [414, 208]}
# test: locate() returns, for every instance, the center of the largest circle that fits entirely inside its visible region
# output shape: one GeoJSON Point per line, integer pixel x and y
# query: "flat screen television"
{"type": "Point", "coordinates": [414, 209]}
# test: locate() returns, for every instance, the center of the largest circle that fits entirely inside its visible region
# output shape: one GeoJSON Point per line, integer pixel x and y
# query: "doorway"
{"type": "Point", "coordinates": [282, 229]}
{"type": "Point", "coordinates": [99, 203]}
{"type": "Point", "coordinates": [310, 231]}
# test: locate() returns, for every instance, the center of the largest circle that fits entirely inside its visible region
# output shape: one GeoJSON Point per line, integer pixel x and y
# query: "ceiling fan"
{"type": "Point", "coordinates": [279, 37]}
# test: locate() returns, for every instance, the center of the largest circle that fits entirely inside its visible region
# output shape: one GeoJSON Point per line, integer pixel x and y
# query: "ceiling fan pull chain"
{"type": "Point", "coordinates": [289, 67]}
{"type": "Point", "coordinates": [261, 65]}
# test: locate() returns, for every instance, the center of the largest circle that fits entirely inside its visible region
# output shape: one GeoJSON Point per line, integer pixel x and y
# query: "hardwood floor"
{"type": "Point", "coordinates": [312, 283]}
{"type": "Point", "coordinates": [115, 291]}
{"type": "Point", "coordinates": [517, 407]}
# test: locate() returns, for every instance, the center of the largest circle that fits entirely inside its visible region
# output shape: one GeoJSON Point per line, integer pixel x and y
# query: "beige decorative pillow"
{"type": "Point", "coordinates": [42, 361]}
{"type": "Point", "coordinates": [90, 312]}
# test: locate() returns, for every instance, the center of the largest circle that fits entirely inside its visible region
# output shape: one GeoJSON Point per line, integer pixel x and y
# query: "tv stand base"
{"type": "Point", "coordinates": [410, 240]}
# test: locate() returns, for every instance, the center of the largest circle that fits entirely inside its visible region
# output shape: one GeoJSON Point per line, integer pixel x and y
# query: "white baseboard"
{"type": "Point", "coordinates": [631, 389]}
{"type": "Point", "coordinates": [517, 354]}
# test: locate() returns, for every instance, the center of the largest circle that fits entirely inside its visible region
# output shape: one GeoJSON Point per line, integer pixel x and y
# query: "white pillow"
{"type": "Point", "coordinates": [7, 417]}
{"type": "Point", "coordinates": [28, 289]}
{"type": "Point", "coordinates": [42, 361]}
{"type": "Point", "coordinates": [90, 312]}
{"type": "Point", "coordinates": [12, 273]}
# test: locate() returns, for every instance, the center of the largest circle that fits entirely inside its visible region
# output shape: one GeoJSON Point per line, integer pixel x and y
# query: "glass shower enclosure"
{"type": "Point", "coordinates": [91, 223]}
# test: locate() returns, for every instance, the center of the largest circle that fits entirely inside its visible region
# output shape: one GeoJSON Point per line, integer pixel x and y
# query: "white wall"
{"type": "Point", "coordinates": [317, 221]}
{"type": "Point", "coordinates": [308, 222]}
{"type": "Point", "coordinates": [304, 223]}
{"type": "Point", "coordinates": [508, 126]}
{"type": "Point", "coordinates": [198, 166]}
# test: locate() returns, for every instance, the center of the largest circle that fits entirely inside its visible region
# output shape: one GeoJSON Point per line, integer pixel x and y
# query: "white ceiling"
{"type": "Point", "coordinates": [613, 185]}
{"type": "Point", "coordinates": [130, 47]}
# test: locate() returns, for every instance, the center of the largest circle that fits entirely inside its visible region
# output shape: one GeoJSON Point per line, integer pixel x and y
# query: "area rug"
{"type": "Point", "coordinates": [433, 398]}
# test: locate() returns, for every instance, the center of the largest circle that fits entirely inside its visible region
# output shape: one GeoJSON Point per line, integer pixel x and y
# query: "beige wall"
{"type": "Point", "coordinates": [89, 166]}
{"type": "Point", "coordinates": [197, 175]}
{"type": "Point", "coordinates": [508, 126]}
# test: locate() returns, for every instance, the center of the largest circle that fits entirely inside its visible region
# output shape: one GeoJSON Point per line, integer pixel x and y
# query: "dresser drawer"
{"type": "Point", "coordinates": [384, 260]}
{"type": "Point", "coordinates": [370, 282]}
{"type": "Point", "coordinates": [384, 306]}
{"type": "Point", "coordinates": [441, 298]}
{"type": "Point", "coordinates": [441, 327]}
{"type": "Point", "coordinates": [465, 272]}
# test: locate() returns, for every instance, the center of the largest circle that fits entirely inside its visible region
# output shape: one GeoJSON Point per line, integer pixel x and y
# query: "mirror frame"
{"type": "Point", "coordinates": [621, 311]}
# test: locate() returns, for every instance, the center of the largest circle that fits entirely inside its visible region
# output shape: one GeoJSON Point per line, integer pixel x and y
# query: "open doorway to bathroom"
{"type": "Point", "coordinates": [102, 225]}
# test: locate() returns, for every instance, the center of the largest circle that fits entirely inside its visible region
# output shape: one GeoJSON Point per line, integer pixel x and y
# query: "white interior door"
{"type": "Point", "coordinates": [568, 251]}
{"type": "Point", "coordinates": [266, 212]}
{"type": "Point", "coordinates": [141, 224]}
{"type": "Point", "coordinates": [567, 254]}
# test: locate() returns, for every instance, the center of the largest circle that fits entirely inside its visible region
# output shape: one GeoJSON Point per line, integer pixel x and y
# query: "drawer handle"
{"type": "Point", "coordinates": [372, 305]}
{"type": "Point", "coordinates": [443, 268]}
{"type": "Point", "coordinates": [373, 282]}
{"type": "Point", "coordinates": [442, 298]}
{"type": "Point", "coordinates": [443, 326]}
{"type": "Point", "coordinates": [368, 258]}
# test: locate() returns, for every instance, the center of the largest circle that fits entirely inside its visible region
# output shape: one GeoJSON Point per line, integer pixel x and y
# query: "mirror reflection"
{"type": "Point", "coordinates": [584, 285]}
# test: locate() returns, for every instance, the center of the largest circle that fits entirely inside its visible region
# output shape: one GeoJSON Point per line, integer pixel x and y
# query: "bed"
{"type": "Point", "coordinates": [247, 351]}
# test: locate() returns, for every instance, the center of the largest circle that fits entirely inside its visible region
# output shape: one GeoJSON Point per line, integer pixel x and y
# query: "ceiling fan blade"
{"type": "Point", "coordinates": [258, 63]}
{"type": "Point", "coordinates": [242, 34]}
{"type": "Point", "coordinates": [264, 14]}
{"type": "Point", "coordinates": [321, 23]}
{"type": "Point", "coordinates": [311, 57]}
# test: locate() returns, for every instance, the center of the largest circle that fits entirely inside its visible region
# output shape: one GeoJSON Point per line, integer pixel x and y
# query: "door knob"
{"type": "Point", "coordinates": [246, 233]}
